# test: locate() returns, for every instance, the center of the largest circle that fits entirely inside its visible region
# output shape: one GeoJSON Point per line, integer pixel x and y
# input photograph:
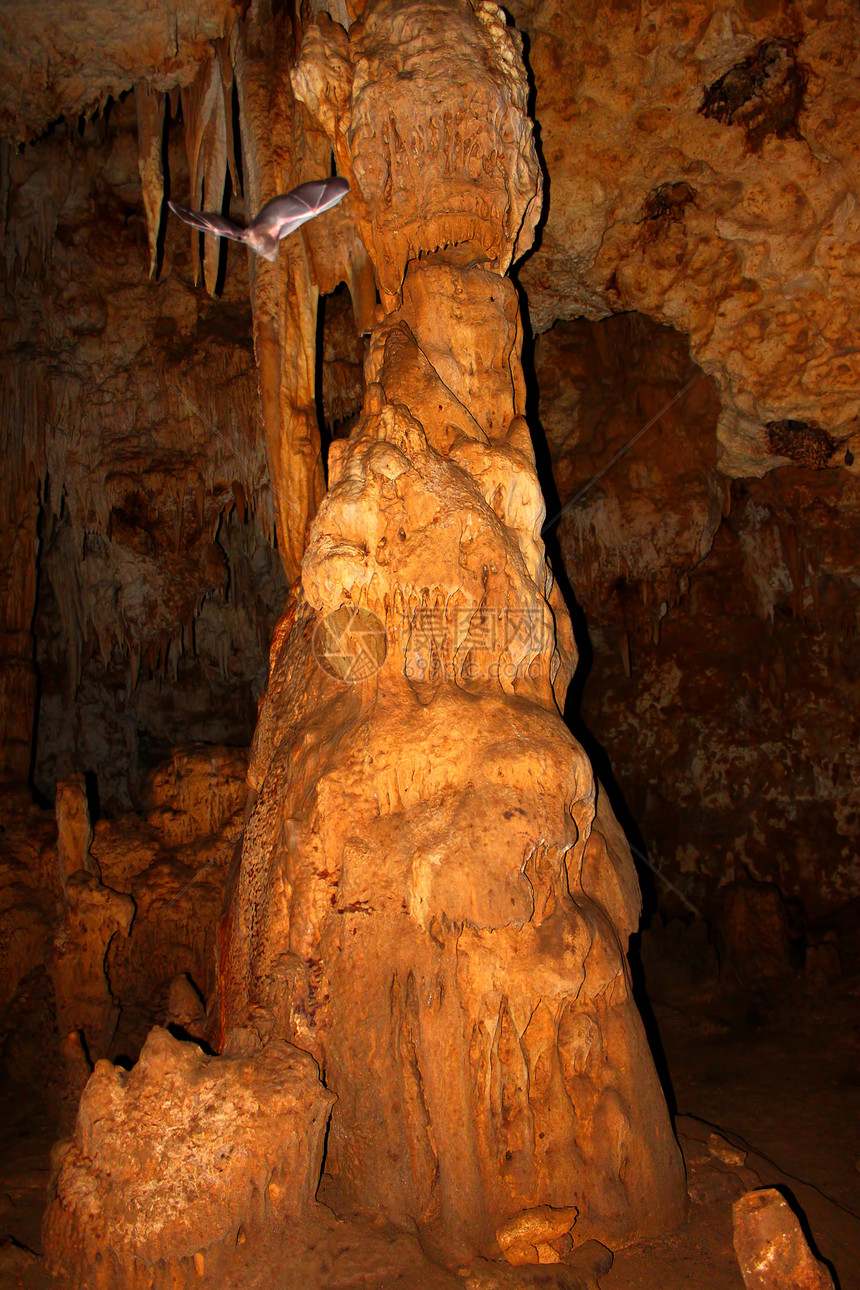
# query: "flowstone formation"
{"type": "Point", "coordinates": [433, 898]}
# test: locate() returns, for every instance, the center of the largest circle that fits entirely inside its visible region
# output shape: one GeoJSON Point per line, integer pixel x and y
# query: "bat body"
{"type": "Point", "coordinates": [280, 216]}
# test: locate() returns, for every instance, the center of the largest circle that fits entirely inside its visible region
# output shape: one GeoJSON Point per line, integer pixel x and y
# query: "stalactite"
{"type": "Point", "coordinates": [281, 148]}
{"type": "Point", "coordinates": [625, 654]}
{"type": "Point", "coordinates": [205, 117]}
{"type": "Point", "coordinates": [150, 136]}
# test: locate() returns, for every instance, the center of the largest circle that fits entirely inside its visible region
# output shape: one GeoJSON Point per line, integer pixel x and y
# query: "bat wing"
{"type": "Point", "coordinates": [209, 222]}
{"type": "Point", "coordinates": [282, 215]}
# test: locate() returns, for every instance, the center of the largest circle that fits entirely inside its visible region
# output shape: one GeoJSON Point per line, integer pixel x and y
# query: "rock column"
{"type": "Point", "coordinates": [433, 898]}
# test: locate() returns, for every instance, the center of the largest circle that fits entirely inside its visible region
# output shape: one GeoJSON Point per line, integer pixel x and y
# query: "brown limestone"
{"type": "Point", "coordinates": [281, 149]}
{"type": "Point", "coordinates": [367, 936]}
{"type": "Point", "coordinates": [94, 915]}
{"type": "Point", "coordinates": [750, 931]}
{"type": "Point", "coordinates": [420, 903]}
{"type": "Point", "coordinates": [57, 61]}
{"type": "Point", "coordinates": [74, 830]}
{"type": "Point", "coordinates": [636, 512]}
{"type": "Point", "coordinates": [29, 882]}
{"type": "Point", "coordinates": [196, 791]}
{"type": "Point", "coordinates": [132, 433]}
{"type": "Point", "coordinates": [171, 1162]}
{"type": "Point", "coordinates": [118, 984]}
{"type": "Point", "coordinates": [714, 609]}
{"type": "Point", "coordinates": [185, 1008]}
{"type": "Point", "coordinates": [381, 100]}
{"type": "Point", "coordinates": [770, 1245]}
{"type": "Point", "coordinates": [721, 217]}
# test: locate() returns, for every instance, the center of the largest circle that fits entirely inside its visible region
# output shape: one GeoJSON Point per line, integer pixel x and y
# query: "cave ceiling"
{"type": "Point", "coordinates": [701, 164]}
{"type": "Point", "coordinates": [59, 59]}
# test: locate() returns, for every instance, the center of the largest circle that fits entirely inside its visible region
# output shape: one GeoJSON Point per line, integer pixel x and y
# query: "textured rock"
{"type": "Point", "coordinates": [193, 794]}
{"type": "Point", "coordinates": [419, 901]}
{"type": "Point", "coordinates": [703, 173]}
{"type": "Point", "coordinates": [19, 511]}
{"type": "Point", "coordinates": [170, 1162]}
{"type": "Point", "coordinates": [178, 892]}
{"type": "Point", "coordinates": [633, 526]}
{"type": "Point", "coordinates": [343, 365]}
{"type": "Point", "coordinates": [75, 1070]}
{"type": "Point", "coordinates": [699, 743]}
{"type": "Point", "coordinates": [131, 428]}
{"type": "Point", "coordinates": [26, 912]}
{"type": "Point", "coordinates": [716, 614]}
{"type": "Point", "coordinates": [751, 931]}
{"type": "Point", "coordinates": [110, 985]}
{"type": "Point", "coordinates": [15, 1260]}
{"type": "Point", "coordinates": [771, 1248]}
{"type": "Point", "coordinates": [537, 1235]}
{"type": "Point", "coordinates": [185, 1007]}
{"type": "Point", "coordinates": [60, 62]}
{"type": "Point", "coordinates": [281, 149]}
{"type": "Point", "coordinates": [74, 830]}
{"type": "Point", "coordinates": [723, 1150]}
{"type": "Point", "coordinates": [580, 1269]}
{"type": "Point", "coordinates": [94, 915]}
{"type": "Point", "coordinates": [388, 102]}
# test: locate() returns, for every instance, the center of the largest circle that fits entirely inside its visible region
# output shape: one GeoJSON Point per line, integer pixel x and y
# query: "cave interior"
{"type": "Point", "coordinates": [430, 657]}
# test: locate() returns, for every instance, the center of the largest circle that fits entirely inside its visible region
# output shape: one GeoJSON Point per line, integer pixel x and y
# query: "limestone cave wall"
{"type": "Point", "coordinates": [721, 618]}
{"type": "Point", "coordinates": [132, 422]}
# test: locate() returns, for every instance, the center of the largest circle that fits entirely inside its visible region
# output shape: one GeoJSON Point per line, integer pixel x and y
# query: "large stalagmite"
{"type": "Point", "coordinates": [433, 898]}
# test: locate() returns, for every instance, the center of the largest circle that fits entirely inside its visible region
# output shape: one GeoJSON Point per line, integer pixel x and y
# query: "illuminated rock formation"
{"type": "Point", "coordinates": [94, 915]}
{"type": "Point", "coordinates": [174, 1163]}
{"type": "Point", "coordinates": [704, 172]}
{"type": "Point", "coordinates": [54, 63]}
{"type": "Point", "coordinates": [433, 898]}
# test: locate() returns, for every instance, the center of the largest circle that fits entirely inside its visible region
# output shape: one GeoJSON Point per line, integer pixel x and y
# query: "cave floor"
{"type": "Point", "coordinates": [778, 1077]}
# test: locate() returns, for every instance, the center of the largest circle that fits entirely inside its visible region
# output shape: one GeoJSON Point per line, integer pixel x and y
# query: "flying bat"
{"type": "Point", "coordinates": [280, 216]}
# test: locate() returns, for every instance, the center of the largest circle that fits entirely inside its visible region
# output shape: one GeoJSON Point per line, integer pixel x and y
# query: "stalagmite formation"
{"type": "Point", "coordinates": [404, 927]}
{"type": "Point", "coordinates": [74, 830]}
{"type": "Point", "coordinates": [83, 998]}
{"type": "Point", "coordinates": [174, 1163]}
{"type": "Point", "coordinates": [426, 899]}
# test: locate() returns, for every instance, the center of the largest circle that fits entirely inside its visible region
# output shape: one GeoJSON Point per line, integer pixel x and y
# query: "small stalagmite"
{"type": "Point", "coordinates": [172, 1163]}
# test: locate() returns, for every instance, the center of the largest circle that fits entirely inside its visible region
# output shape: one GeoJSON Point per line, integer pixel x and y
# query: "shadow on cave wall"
{"type": "Point", "coordinates": [573, 714]}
